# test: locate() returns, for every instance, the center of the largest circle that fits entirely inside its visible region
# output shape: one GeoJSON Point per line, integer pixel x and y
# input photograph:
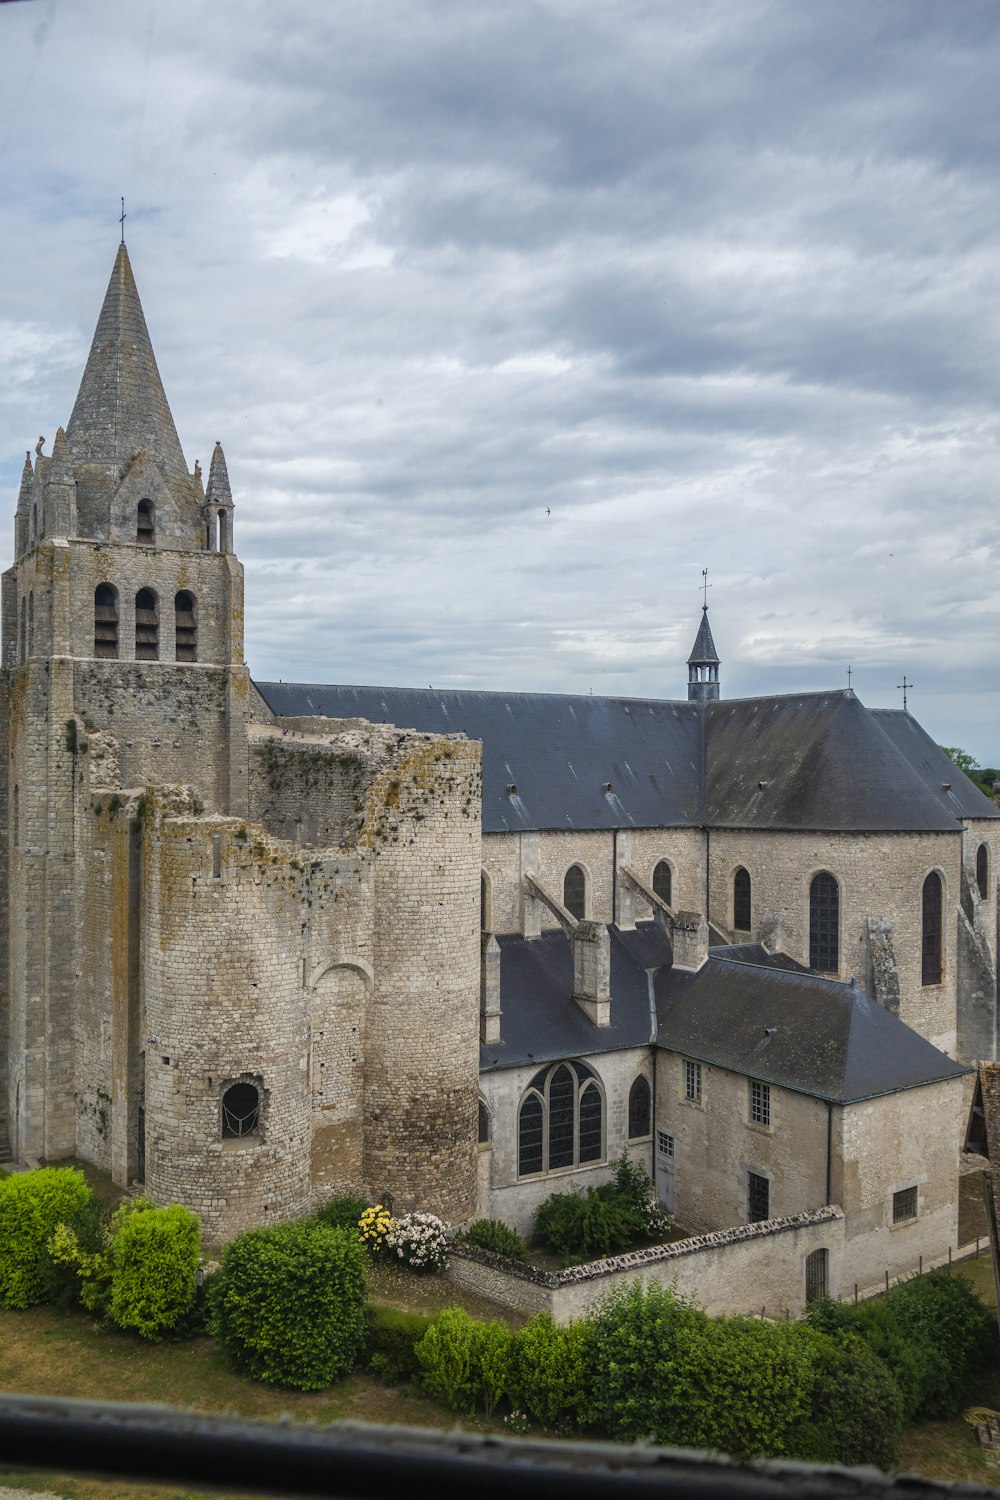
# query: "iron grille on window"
{"type": "Point", "coordinates": [741, 901]}
{"type": "Point", "coordinates": [575, 892]}
{"type": "Point", "coordinates": [758, 1198]}
{"type": "Point", "coordinates": [930, 952]}
{"type": "Point", "coordinates": [824, 924]}
{"type": "Point", "coordinates": [692, 1081]}
{"type": "Point", "coordinates": [983, 870]}
{"type": "Point", "coordinates": [663, 881]}
{"type": "Point", "coordinates": [816, 1277]}
{"type": "Point", "coordinates": [561, 1120]}
{"type": "Point", "coordinates": [760, 1103]}
{"type": "Point", "coordinates": [240, 1110]}
{"type": "Point", "coordinates": [904, 1205]}
{"type": "Point", "coordinates": [640, 1109]}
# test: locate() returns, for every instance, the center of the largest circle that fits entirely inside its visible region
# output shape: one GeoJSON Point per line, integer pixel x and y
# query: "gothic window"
{"type": "Point", "coordinates": [241, 1110]}
{"type": "Point", "coordinates": [147, 626]}
{"type": "Point", "coordinates": [824, 923]}
{"type": "Point", "coordinates": [758, 1198]}
{"type": "Point", "coordinates": [663, 882]}
{"type": "Point", "coordinates": [145, 526]}
{"type": "Point", "coordinates": [185, 629]}
{"type": "Point", "coordinates": [741, 901]}
{"type": "Point", "coordinates": [31, 623]}
{"type": "Point", "coordinates": [640, 1109]}
{"type": "Point", "coordinates": [561, 1120]}
{"type": "Point", "coordinates": [931, 954]}
{"type": "Point", "coordinates": [105, 621]}
{"type": "Point", "coordinates": [484, 1124]}
{"type": "Point", "coordinates": [24, 630]}
{"type": "Point", "coordinates": [575, 892]}
{"type": "Point", "coordinates": [983, 870]}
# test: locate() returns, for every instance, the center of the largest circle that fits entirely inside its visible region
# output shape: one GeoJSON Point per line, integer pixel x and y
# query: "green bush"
{"type": "Point", "coordinates": [32, 1204]}
{"type": "Point", "coordinates": [288, 1304]}
{"type": "Point", "coordinates": [391, 1338]}
{"type": "Point", "coordinates": [550, 1372]}
{"type": "Point", "coordinates": [465, 1362]}
{"type": "Point", "coordinates": [495, 1235]}
{"type": "Point", "coordinates": [584, 1226]}
{"type": "Point", "coordinates": [82, 1251]}
{"type": "Point", "coordinates": [856, 1410]}
{"type": "Point", "coordinates": [155, 1270]}
{"type": "Point", "coordinates": [342, 1213]}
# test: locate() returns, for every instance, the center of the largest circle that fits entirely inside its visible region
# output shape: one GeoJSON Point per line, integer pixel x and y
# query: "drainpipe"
{"type": "Point", "coordinates": [708, 874]}
{"type": "Point", "coordinates": [614, 876]}
{"type": "Point", "coordinates": [829, 1151]}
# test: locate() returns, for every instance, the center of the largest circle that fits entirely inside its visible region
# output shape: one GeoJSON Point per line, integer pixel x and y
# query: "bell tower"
{"type": "Point", "coordinates": [703, 664]}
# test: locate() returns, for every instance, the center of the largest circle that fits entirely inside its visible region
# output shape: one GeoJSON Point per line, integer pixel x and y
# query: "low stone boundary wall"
{"type": "Point", "coordinates": [751, 1268]}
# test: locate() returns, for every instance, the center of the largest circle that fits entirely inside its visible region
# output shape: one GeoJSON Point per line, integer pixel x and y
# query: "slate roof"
{"type": "Point", "coordinates": [820, 761]}
{"type": "Point", "coordinates": [703, 652]}
{"type": "Point", "coordinates": [792, 1028]}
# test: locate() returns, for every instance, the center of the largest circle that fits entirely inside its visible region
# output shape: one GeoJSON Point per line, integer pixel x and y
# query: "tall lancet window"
{"type": "Point", "coordinates": [147, 626]}
{"type": "Point", "coordinates": [931, 955]}
{"type": "Point", "coordinates": [105, 621]}
{"type": "Point", "coordinates": [145, 528]}
{"type": "Point", "coordinates": [185, 627]}
{"type": "Point", "coordinates": [824, 923]}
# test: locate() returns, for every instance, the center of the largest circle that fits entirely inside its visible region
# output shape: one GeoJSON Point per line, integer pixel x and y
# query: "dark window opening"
{"type": "Point", "coordinates": [105, 621]}
{"type": "Point", "coordinates": [529, 1136]}
{"type": "Point", "coordinates": [485, 904]}
{"type": "Point", "coordinates": [147, 626]}
{"type": "Point", "coordinates": [575, 892]}
{"type": "Point", "coordinates": [816, 1275]}
{"type": "Point", "coordinates": [904, 1205]}
{"type": "Point", "coordinates": [185, 629]}
{"type": "Point", "coordinates": [145, 528]}
{"type": "Point", "coordinates": [930, 948]}
{"type": "Point", "coordinates": [824, 924]}
{"type": "Point", "coordinates": [241, 1110]}
{"type": "Point", "coordinates": [663, 882]}
{"type": "Point", "coordinates": [31, 623]}
{"type": "Point", "coordinates": [983, 870]}
{"type": "Point", "coordinates": [639, 1109]}
{"type": "Point", "coordinates": [758, 1198]}
{"type": "Point", "coordinates": [741, 901]}
{"type": "Point", "coordinates": [561, 1120]}
{"type": "Point", "coordinates": [562, 1092]}
{"type": "Point", "coordinates": [484, 1124]}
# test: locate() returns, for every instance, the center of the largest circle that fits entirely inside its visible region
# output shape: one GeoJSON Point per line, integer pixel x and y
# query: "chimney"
{"type": "Point", "coordinates": [591, 945]}
{"type": "Point", "coordinates": [489, 989]}
{"type": "Point", "coordinates": [690, 940]}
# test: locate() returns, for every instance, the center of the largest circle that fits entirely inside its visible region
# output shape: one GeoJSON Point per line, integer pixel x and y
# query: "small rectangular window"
{"type": "Point", "coordinates": [760, 1103]}
{"type": "Point", "coordinates": [692, 1081]}
{"type": "Point", "coordinates": [665, 1144]}
{"type": "Point", "coordinates": [758, 1198]}
{"type": "Point", "coordinates": [904, 1205]}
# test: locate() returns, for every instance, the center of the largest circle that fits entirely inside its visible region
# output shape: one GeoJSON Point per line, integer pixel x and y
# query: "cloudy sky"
{"type": "Point", "coordinates": [512, 317]}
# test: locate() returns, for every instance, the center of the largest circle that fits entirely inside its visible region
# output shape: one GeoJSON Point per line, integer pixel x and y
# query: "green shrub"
{"type": "Point", "coordinates": [32, 1204]}
{"type": "Point", "coordinates": [584, 1226]}
{"type": "Point", "coordinates": [342, 1213]}
{"type": "Point", "coordinates": [85, 1253]}
{"type": "Point", "coordinates": [391, 1338]}
{"type": "Point", "coordinates": [288, 1304]}
{"type": "Point", "coordinates": [495, 1235]}
{"type": "Point", "coordinates": [856, 1410]}
{"type": "Point", "coordinates": [155, 1270]}
{"type": "Point", "coordinates": [550, 1372]}
{"type": "Point", "coordinates": [465, 1362]}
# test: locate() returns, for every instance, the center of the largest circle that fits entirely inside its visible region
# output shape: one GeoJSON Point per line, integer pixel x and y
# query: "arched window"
{"type": "Point", "coordinates": [241, 1110]}
{"type": "Point", "coordinates": [575, 892]}
{"type": "Point", "coordinates": [485, 903]}
{"type": "Point", "coordinates": [185, 627]}
{"type": "Point", "coordinates": [24, 630]}
{"type": "Point", "coordinates": [34, 523]}
{"type": "Point", "coordinates": [930, 947]}
{"type": "Point", "coordinates": [640, 1109]}
{"type": "Point", "coordinates": [824, 923]}
{"type": "Point", "coordinates": [741, 901]}
{"type": "Point", "coordinates": [223, 532]}
{"type": "Point", "coordinates": [983, 870]}
{"type": "Point", "coordinates": [663, 882]}
{"type": "Point", "coordinates": [105, 621]}
{"type": "Point", "coordinates": [147, 626]}
{"type": "Point", "coordinates": [561, 1120]}
{"type": "Point", "coordinates": [31, 623]}
{"type": "Point", "coordinates": [145, 524]}
{"type": "Point", "coordinates": [484, 1124]}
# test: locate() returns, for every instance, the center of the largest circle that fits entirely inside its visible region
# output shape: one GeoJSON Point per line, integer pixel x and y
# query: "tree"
{"type": "Point", "coordinates": [966, 763]}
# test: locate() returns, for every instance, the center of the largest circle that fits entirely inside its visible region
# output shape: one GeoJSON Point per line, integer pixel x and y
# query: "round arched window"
{"type": "Point", "coordinates": [241, 1110]}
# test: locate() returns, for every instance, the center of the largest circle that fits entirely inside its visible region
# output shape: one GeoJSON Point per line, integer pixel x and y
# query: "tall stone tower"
{"type": "Point", "coordinates": [122, 641]}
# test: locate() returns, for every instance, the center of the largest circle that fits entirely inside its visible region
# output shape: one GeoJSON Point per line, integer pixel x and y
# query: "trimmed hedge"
{"type": "Point", "coordinates": [154, 1279]}
{"type": "Point", "coordinates": [391, 1338]}
{"type": "Point", "coordinates": [495, 1235]}
{"type": "Point", "coordinates": [32, 1204]}
{"type": "Point", "coordinates": [464, 1362]}
{"type": "Point", "coordinates": [550, 1372]}
{"type": "Point", "coordinates": [288, 1304]}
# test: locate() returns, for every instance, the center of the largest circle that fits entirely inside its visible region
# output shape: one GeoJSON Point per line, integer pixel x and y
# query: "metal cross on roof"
{"type": "Point", "coordinates": [849, 675]}
{"type": "Point", "coordinates": [901, 687]}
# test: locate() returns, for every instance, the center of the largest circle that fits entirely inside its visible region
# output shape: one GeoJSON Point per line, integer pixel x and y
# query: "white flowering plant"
{"type": "Point", "coordinates": [418, 1240]}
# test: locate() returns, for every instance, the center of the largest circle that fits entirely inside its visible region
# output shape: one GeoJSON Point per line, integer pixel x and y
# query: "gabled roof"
{"type": "Point", "coordinates": [791, 1028]}
{"type": "Point", "coordinates": [121, 406]}
{"type": "Point", "coordinates": [953, 789]}
{"type": "Point", "coordinates": [703, 652]}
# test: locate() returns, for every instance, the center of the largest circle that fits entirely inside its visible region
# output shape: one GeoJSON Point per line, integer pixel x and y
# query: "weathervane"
{"type": "Point", "coordinates": [705, 586]}
{"type": "Point", "coordinates": [902, 686]}
{"type": "Point", "coordinates": [121, 219]}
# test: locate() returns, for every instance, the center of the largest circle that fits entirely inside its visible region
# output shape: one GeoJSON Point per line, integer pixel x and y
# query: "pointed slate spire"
{"type": "Point", "coordinates": [703, 664]}
{"type": "Point", "coordinates": [121, 406]}
{"type": "Point", "coordinates": [218, 491]}
{"type": "Point", "coordinates": [219, 503]}
{"type": "Point", "coordinates": [27, 480]}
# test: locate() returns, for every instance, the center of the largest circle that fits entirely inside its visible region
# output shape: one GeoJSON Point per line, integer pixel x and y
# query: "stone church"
{"type": "Point", "coordinates": [263, 942]}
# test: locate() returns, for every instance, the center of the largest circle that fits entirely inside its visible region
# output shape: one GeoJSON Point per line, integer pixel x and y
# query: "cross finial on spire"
{"type": "Point", "coordinates": [705, 586]}
{"type": "Point", "coordinates": [850, 674]}
{"type": "Point", "coordinates": [121, 219]}
{"type": "Point", "coordinates": [902, 687]}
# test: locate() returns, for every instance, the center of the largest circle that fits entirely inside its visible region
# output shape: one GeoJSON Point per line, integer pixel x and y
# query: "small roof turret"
{"type": "Point", "coordinates": [703, 652]}
{"type": "Point", "coordinates": [703, 664]}
{"type": "Point", "coordinates": [27, 480]}
{"type": "Point", "coordinates": [219, 503]}
{"type": "Point", "coordinates": [218, 491]}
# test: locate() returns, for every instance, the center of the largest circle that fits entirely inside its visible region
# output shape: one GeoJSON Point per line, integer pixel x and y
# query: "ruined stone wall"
{"type": "Point", "coordinates": [501, 1194]}
{"type": "Point", "coordinates": [306, 788]}
{"type": "Point", "coordinates": [878, 874]}
{"type": "Point", "coordinates": [716, 1147]}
